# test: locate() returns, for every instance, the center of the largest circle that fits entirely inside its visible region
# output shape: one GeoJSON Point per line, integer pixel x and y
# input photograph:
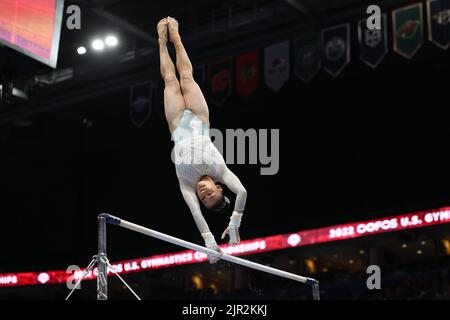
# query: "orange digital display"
{"type": "Point", "coordinates": [32, 27]}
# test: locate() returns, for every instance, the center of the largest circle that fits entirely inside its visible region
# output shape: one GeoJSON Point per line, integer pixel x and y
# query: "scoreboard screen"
{"type": "Point", "coordinates": [32, 27]}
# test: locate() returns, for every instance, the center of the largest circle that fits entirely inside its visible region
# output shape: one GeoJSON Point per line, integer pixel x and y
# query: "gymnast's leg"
{"type": "Point", "coordinates": [174, 103]}
{"type": "Point", "coordinates": [193, 96]}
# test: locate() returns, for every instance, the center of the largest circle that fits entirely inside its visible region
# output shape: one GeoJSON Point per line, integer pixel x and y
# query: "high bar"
{"type": "Point", "coordinates": [182, 243]}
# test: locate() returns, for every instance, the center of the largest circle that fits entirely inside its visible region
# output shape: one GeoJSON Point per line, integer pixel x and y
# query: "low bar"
{"type": "Point", "coordinates": [182, 243]}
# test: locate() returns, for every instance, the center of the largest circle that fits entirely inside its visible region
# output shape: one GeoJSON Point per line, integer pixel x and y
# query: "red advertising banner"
{"type": "Point", "coordinates": [271, 243]}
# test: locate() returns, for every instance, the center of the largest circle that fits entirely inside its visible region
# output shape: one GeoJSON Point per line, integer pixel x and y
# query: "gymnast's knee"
{"type": "Point", "coordinates": [186, 76]}
{"type": "Point", "coordinates": [170, 80]}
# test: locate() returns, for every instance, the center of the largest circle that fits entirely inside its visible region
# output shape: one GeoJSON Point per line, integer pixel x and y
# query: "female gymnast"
{"type": "Point", "coordinates": [199, 165]}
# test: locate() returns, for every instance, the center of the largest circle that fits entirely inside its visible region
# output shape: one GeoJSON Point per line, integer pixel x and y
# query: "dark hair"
{"type": "Point", "coordinates": [221, 206]}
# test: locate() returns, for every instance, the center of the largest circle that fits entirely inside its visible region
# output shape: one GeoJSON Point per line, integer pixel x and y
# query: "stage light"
{"type": "Point", "coordinates": [81, 50]}
{"type": "Point", "coordinates": [98, 45]}
{"type": "Point", "coordinates": [111, 41]}
{"type": "Point", "coordinates": [197, 281]}
{"type": "Point", "coordinates": [310, 265]}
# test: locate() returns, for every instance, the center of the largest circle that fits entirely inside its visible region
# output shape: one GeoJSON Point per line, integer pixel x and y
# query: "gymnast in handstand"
{"type": "Point", "coordinates": [199, 165]}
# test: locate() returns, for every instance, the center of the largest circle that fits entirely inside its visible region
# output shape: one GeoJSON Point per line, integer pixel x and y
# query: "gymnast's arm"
{"type": "Point", "coordinates": [191, 199]}
{"type": "Point", "coordinates": [233, 183]}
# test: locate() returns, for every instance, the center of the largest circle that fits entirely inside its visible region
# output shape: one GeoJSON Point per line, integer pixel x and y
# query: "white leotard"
{"type": "Point", "coordinates": [196, 156]}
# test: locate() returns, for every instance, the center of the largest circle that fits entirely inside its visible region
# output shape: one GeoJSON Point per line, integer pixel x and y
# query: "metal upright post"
{"type": "Point", "coordinates": [102, 266]}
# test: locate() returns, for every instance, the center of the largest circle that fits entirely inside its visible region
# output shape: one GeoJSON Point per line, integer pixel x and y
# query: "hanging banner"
{"type": "Point", "coordinates": [307, 57]}
{"type": "Point", "coordinates": [247, 73]}
{"type": "Point", "coordinates": [220, 81]}
{"type": "Point", "coordinates": [141, 103]}
{"type": "Point", "coordinates": [407, 23]}
{"type": "Point", "coordinates": [277, 65]}
{"type": "Point", "coordinates": [439, 22]}
{"type": "Point", "coordinates": [372, 43]}
{"type": "Point", "coordinates": [336, 48]}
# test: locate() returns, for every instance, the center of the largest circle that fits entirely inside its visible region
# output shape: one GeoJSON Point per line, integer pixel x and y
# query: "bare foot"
{"type": "Point", "coordinates": [162, 30]}
{"type": "Point", "coordinates": [174, 35]}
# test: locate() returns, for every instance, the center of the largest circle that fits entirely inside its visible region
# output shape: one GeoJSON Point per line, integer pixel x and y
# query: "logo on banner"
{"type": "Point", "coordinates": [247, 71]}
{"type": "Point", "coordinates": [408, 30]}
{"type": "Point", "coordinates": [336, 48]}
{"type": "Point", "coordinates": [277, 65]}
{"type": "Point", "coordinates": [307, 57]}
{"type": "Point", "coordinates": [220, 81]}
{"type": "Point", "coordinates": [372, 42]}
{"type": "Point", "coordinates": [439, 22]}
{"type": "Point", "coordinates": [141, 103]}
{"type": "Point", "coordinates": [372, 38]}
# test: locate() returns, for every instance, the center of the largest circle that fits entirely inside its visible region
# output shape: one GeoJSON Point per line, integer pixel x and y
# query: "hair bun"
{"type": "Point", "coordinates": [223, 207]}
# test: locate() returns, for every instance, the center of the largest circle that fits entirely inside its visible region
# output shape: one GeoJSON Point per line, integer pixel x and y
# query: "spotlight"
{"type": "Point", "coordinates": [111, 41]}
{"type": "Point", "coordinates": [81, 50]}
{"type": "Point", "coordinates": [419, 251]}
{"type": "Point", "coordinates": [423, 243]}
{"type": "Point", "coordinates": [404, 245]}
{"type": "Point", "coordinates": [98, 45]}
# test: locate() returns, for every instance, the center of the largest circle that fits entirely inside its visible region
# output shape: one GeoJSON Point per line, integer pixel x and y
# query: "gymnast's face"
{"type": "Point", "coordinates": [209, 193]}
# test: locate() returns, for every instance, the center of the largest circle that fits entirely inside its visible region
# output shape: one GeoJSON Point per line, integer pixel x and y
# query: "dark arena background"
{"type": "Point", "coordinates": [357, 123]}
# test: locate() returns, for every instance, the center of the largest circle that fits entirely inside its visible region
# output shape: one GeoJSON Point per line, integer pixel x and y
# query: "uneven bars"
{"type": "Point", "coordinates": [182, 243]}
